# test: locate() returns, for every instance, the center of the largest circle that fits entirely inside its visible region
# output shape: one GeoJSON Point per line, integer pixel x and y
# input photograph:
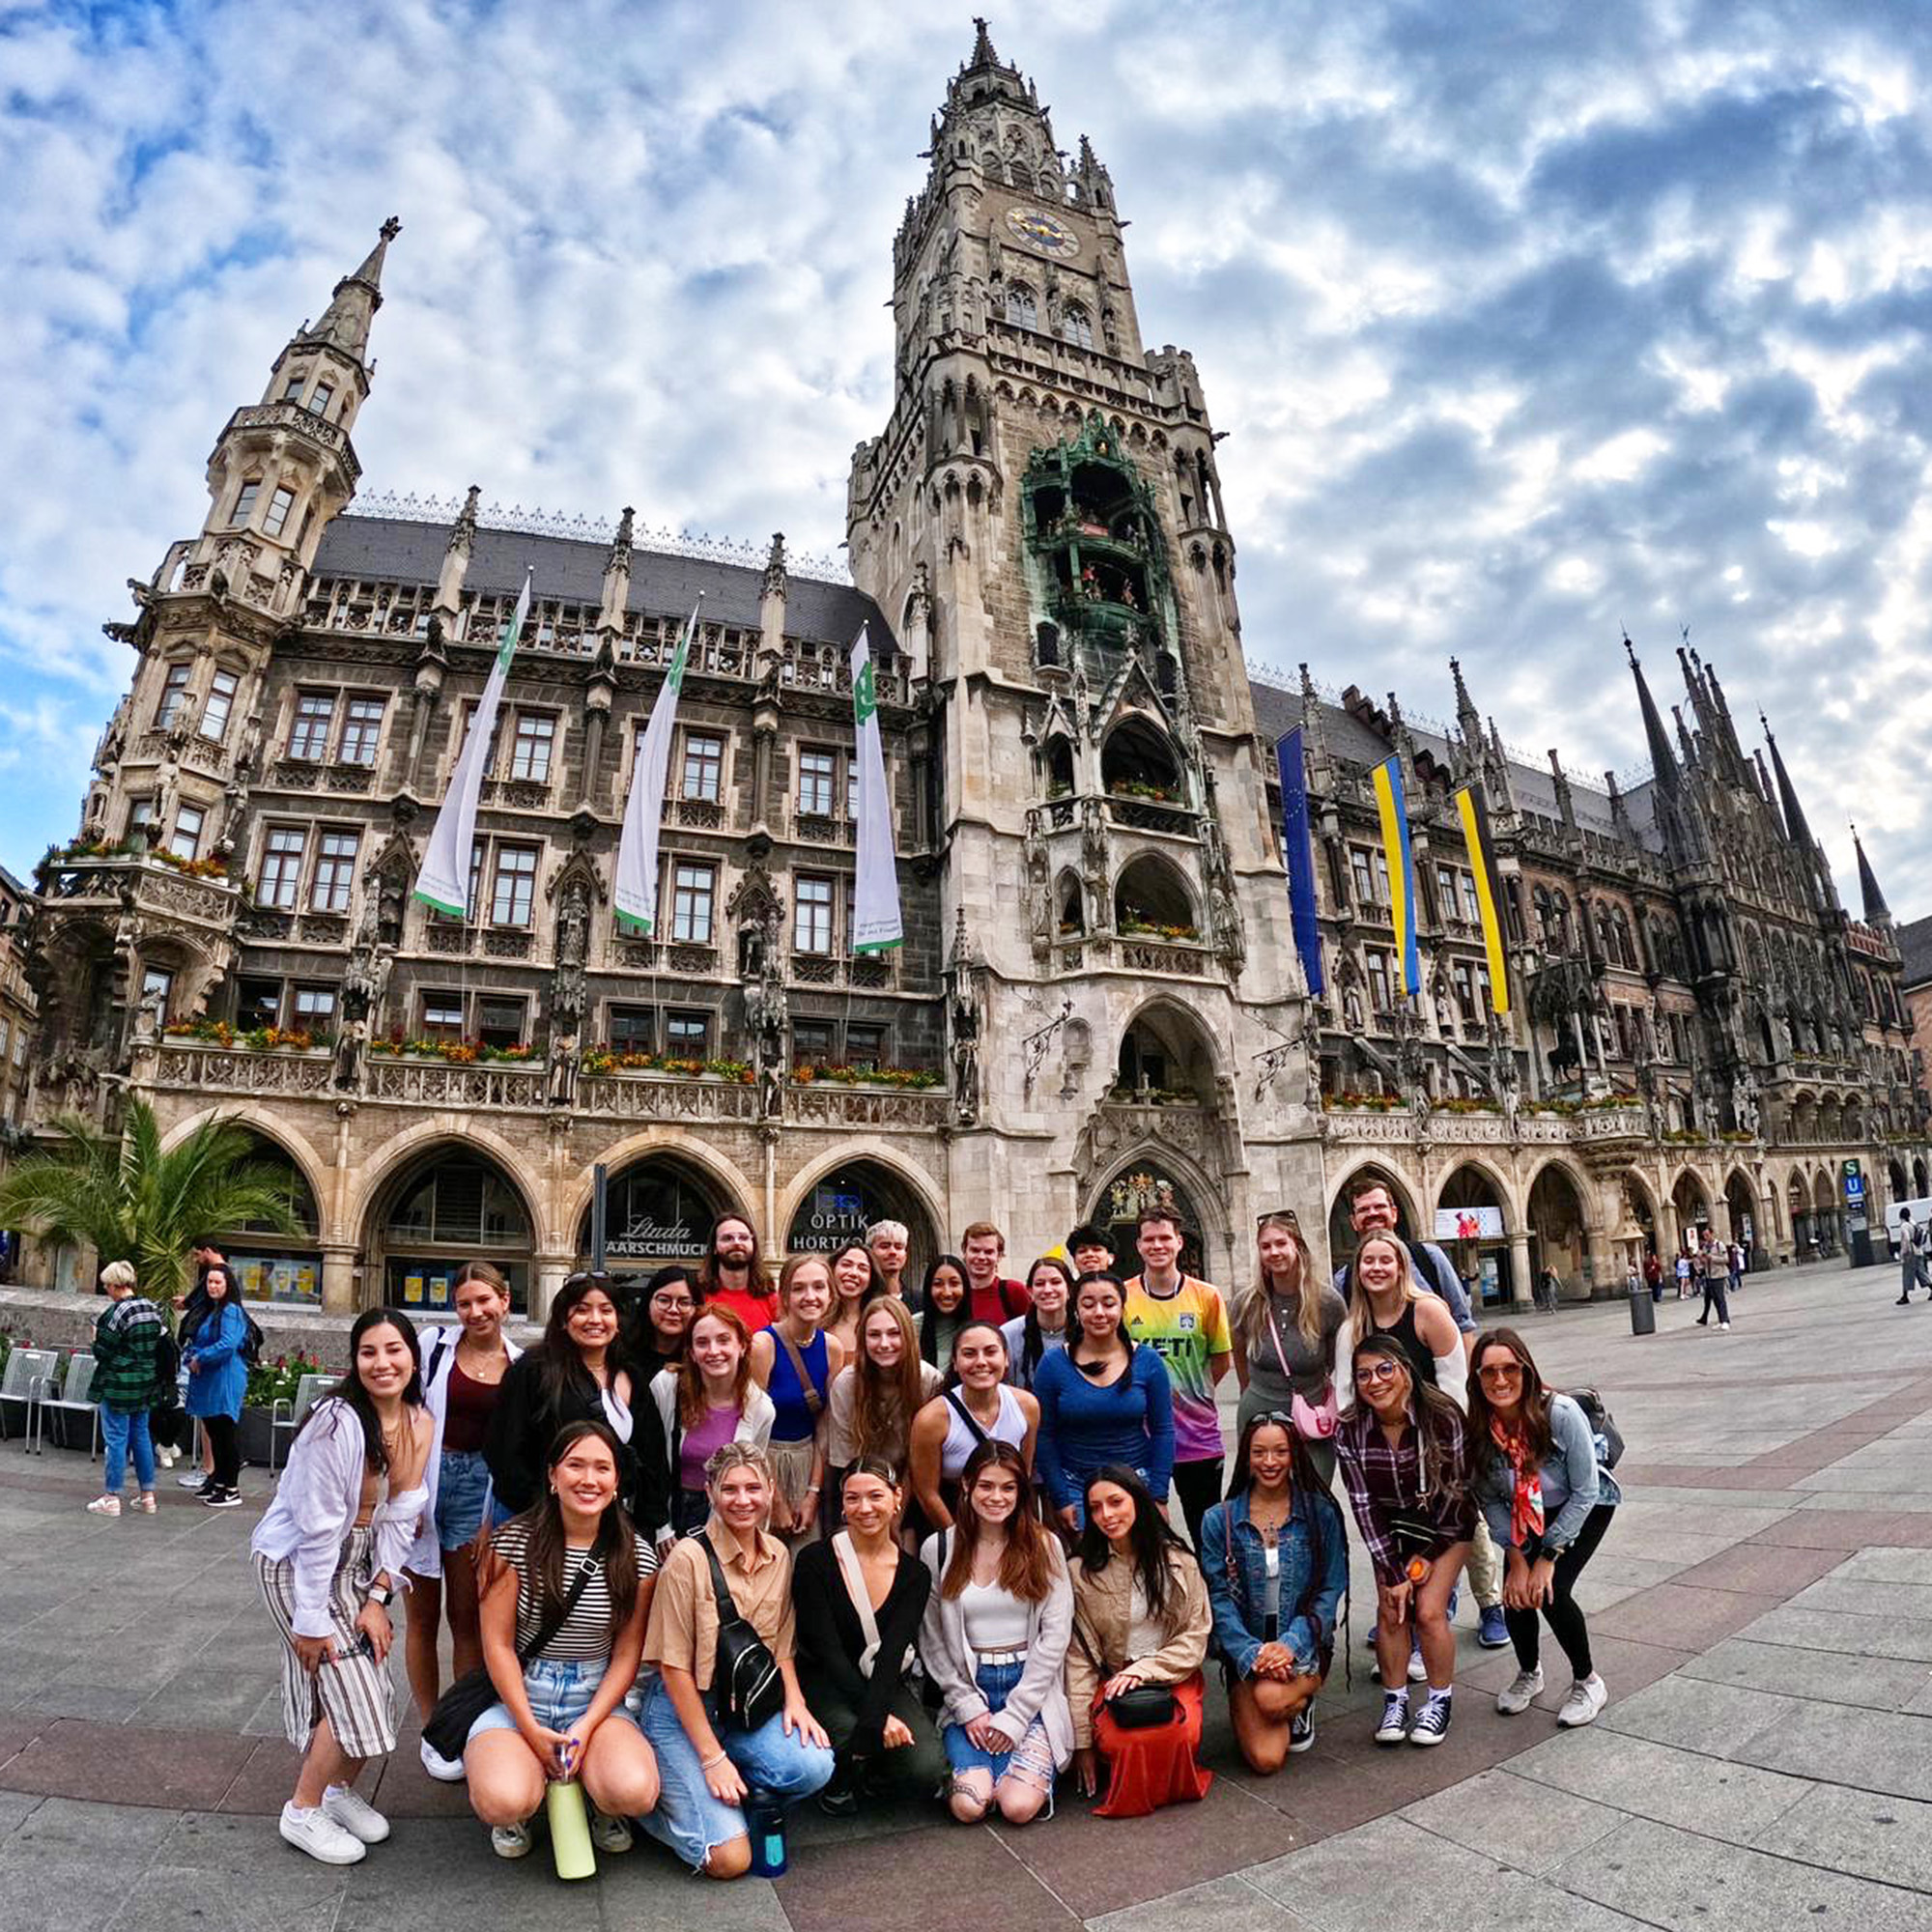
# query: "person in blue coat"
{"type": "Point", "coordinates": [1105, 1398]}
{"type": "Point", "coordinates": [217, 1376]}
{"type": "Point", "coordinates": [1276, 1559]}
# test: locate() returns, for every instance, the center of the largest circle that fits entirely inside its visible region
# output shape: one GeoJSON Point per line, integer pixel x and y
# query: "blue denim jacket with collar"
{"type": "Point", "coordinates": [1314, 1555]}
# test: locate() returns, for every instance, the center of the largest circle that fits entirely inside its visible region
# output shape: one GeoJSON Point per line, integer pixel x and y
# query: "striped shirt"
{"type": "Point", "coordinates": [586, 1633]}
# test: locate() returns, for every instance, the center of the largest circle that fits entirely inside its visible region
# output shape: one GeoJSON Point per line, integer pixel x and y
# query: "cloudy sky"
{"type": "Point", "coordinates": [1527, 322]}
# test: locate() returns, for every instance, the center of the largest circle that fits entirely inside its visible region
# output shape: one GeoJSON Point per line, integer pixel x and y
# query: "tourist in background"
{"type": "Point", "coordinates": [708, 1399]}
{"type": "Point", "coordinates": [125, 1339]}
{"type": "Point", "coordinates": [1276, 1560]}
{"type": "Point", "coordinates": [217, 1380]}
{"type": "Point", "coordinates": [1141, 1624]}
{"type": "Point", "coordinates": [794, 1361]}
{"type": "Point", "coordinates": [328, 1557]}
{"type": "Point", "coordinates": [1044, 1326]}
{"type": "Point", "coordinates": [1286, 1329]}
{"type": "Point", "coordinates": [462, 1374]}
{"type": "Point", "coordinates": [1549, 1502]}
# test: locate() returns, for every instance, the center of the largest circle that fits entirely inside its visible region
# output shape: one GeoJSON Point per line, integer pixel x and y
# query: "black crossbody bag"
{"type": "Point", "coordinates": [745, 1674]}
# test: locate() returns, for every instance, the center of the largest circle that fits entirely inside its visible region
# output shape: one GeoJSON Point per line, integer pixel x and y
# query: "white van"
{"type": "Point", "coordinates": [1922, 1216]}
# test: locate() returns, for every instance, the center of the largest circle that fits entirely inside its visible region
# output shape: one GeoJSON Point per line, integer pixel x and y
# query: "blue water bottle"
{"type": "Point", "coordinates": [764, 1822]}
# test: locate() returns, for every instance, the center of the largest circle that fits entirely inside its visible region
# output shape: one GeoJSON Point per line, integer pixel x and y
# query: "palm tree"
{"type": "Point", "coordinates": [132, 1200]}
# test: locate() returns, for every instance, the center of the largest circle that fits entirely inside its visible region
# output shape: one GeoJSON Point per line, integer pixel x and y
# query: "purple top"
{"type": "Point", "coordinates": [697, 1446]}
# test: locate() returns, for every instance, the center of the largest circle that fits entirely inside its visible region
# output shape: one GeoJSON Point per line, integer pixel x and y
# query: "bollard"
{"type": "Point", "coordinates": [1643, 1311]}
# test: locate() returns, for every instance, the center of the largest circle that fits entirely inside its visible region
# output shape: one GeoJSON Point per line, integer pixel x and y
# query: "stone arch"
{"type": "Point", "coordinates": [921, 1203]}
{"type": "Point", "coordinates": [317, 1174]}
{"type": "Point", "coordinates": [1163, 1028]}
{"type": "Point", "coordinates": [1069, 904]}
{"type": "Point", "coordinates": [1151, 891]}
{"type": "Point", "coordinates": [1920, 1185]}
{"type": "Point", "coordinates": [1739, 1200]}
{"type": "Point", "coordinates": [720, 1181]}
{"type": "Point", "coordinates": [1139, 750]}
{"type": "Point", "coordinates": [1478, 1244]}
{"type": "Point", "coordinates": [1689, 1194]}
{"type": "Point", "coordinates": [1199, 1200]}
{"type": "Point", "coordinates": [269, 1266]}
{"type": "Point", "coordinates": [1560, 1216]}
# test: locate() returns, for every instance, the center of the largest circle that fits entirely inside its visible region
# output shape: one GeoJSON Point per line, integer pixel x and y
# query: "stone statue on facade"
{"type": "Point", "coordinates": [962, 1023]}
{"type": "Point", "coordinates": [349, 1046]}
{"type": "Point", "coordinates": [565, 1061]}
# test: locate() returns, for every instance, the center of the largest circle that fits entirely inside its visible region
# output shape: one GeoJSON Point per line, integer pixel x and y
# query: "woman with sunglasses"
{"type": "Point", "coordinates": [1105, 1398]}
{"type": "Point", "coordinates": [575, 1373]}
{"type": "Point", "coordinates": [1548, 1502]}
{"type": "Point", "coordinates": [1045, 1326]}
{"type": "Point", "coordinates": [1404, 1451]}
{"type": "Point", "coordinates": [656, 1323]}
{"type": "Point", "coordinates": [1141, 1625]}
{"type": "Point", "coordinates": [1276, 1560]}
{"type": "Point", "coordinates": [1286, 1329]}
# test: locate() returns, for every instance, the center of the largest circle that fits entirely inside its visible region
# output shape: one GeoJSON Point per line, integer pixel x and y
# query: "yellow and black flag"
{"type": "Point", "coordinates": [1476, 818]}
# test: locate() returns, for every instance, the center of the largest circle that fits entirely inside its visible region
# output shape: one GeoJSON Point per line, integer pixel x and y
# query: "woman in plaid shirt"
{"type": "Point", "coordinates": [1405, 1456]}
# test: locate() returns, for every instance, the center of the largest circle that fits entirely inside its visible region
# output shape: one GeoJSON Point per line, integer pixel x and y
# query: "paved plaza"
{"type": "Point", "coordinates": [1762, 1610]}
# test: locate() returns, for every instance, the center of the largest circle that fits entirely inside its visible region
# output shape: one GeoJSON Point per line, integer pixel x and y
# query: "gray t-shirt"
{"type": "Point", "coordinates": [1308, 1368]}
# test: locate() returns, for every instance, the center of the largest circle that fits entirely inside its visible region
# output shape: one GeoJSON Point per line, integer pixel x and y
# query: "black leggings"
{"type": "Point", "coordinates": [1561, 1612]}
{"type": "Point", "coordinates": [225, 1438]}
{"type": "Point", "coordinates": [1198, 1486]}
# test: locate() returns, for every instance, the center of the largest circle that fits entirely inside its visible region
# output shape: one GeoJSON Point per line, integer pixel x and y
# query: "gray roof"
{"type": "Point", "coordinates": [391, 549]}
{"type": "Point", "coordinates": [1914, 941]}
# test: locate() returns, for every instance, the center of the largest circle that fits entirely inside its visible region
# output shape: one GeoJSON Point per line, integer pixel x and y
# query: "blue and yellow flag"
{"type": "Point", "coordinates": [1476, 818]}
{"type": "Point", "coordinates": [1394, 812]}
{"type": "Point", "coordinates": [1299, 856]}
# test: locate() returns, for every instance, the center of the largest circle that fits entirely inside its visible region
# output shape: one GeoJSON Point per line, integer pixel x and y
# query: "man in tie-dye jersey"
{"type": "Point", "coordinates": [1185, 1323]}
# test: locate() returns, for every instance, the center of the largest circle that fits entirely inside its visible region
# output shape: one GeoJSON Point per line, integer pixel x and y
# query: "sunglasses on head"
{"type": "Point", "coordinates": [1287, 1214]}
{"type": "Point", "coordinates": [596, 1277]}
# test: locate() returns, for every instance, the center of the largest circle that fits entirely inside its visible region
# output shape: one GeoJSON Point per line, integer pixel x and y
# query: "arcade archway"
{"type": "Point", "coordinates": [1341, 1227]}
{"type": "Point", "coordinates": [844, 1203]}
{"type": "Point", "coordinates": [1472, 1229]}
{"type": "Point", "coordinates": [1142, 1185]}
{"type": "Point", "coordinates": [657, 1208]}
{"type": "Point", "coordinates": [449, 1206]}
{"type": "Point", "coordinates": [1560, 1237]}
{"type": "Point", "coordinates": [270, 1265]}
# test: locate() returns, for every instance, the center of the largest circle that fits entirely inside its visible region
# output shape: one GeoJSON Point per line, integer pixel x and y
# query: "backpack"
{"type": "Point", "coordinates": [1602, 1425]}
{"type": "Point", "coordinates": [167, 1368]}
{"type": "Point", "coordinates": [252, 1339]}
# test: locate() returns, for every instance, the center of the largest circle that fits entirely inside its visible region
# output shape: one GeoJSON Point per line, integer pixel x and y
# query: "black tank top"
{"type": "Point", "coordinates": [1404, 1332]}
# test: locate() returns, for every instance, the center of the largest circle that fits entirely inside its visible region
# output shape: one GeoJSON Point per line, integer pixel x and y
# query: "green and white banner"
{"type": "Point", "coordinates": [875, 901]}
{"type": "Point", "coordinates": [445, 879]}
{"type": "Point", "coordinates": [643, 809]}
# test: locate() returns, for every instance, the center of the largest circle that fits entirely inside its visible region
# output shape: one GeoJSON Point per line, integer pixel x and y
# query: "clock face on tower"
{"type": "Point", "coordinates": [1041, 229]}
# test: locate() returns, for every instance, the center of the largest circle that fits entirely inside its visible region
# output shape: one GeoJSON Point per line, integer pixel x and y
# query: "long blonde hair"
{"type": "Point", "coordinates": [1361, 1317]}
{"type": "Point", "coordinates": [1253, 1313]}
{"type": "Point", "coordinates": [882, 1409]}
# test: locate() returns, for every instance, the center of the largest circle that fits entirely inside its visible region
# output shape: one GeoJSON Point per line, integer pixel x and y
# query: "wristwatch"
{"type": "Point", "coordinates": [379, 1593]}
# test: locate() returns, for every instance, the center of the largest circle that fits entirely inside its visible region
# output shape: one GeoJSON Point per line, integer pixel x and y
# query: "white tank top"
{"type": "Point", "coordinates": [961, 1441]}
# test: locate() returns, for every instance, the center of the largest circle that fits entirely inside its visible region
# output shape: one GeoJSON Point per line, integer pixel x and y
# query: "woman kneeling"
{"type": "Point", "coordinates": [1277, 1563]}
{"type": "Point", "coordinates": [567, 1587]}
{"type": "Point", "coordinates": [1133, 1676]}
{"type": "Point", "coordinates": [994, 1643]}
{"type": "Point", "coordinates": [711, 1766]}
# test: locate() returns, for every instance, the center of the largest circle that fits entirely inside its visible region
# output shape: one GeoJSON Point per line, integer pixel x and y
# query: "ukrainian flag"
{"type": "Point", "coordinates": [1394, 812]}
{"type": "Point", "coordinates": [1476, 818]}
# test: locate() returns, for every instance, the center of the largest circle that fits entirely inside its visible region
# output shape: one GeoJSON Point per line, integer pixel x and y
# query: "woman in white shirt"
{"type": "Point", "coordinates": [328, 1555]}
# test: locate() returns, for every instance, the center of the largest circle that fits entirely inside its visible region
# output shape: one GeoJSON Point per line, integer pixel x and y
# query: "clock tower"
{"type": "Point", "coordinates": [1043, 517]}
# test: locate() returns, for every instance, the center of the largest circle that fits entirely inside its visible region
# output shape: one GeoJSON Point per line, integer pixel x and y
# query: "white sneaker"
{"type": "Point", "coordinates": [1588, 1696]}
{"type": "Point", "coordinates": [165, 1457]}
{"type": "Point", "coordinates": [510, 1842]}
{"type": "Point", "coordinates": [1520, 1694]}
{"type": "Point", "coordinates": [608, 1834]}
{"type": "Point", "coordinates": [1723, 1328]}
{"type": "Point", "coordinates": [444, 1770]}
{"type": "Point", "coordinates": [194, 1479]}
{"type": "Point", "coordinates": [355, 1814]}
{"type": "Point", "coordinates": [318, 1835]}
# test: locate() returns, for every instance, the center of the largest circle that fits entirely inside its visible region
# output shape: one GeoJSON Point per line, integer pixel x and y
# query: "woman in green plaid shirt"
{"type": "Point", "coordinates": [123, 1385]}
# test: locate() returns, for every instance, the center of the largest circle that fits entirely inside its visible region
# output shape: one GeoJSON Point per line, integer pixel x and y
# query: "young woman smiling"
{"type": "Point", "coordinates": [463, 1377]}
{"type": "Point", "coordinates": [857, 1597]}
{"type": "Point", "coordinates": [1044, 1326]}
{"type": "Point", "coordinates": [328, 1555]}
{"type": "Point", "coordinates": [1286, 1329]}
{"type": "Point", "coordinates": [855, 1282]}
{"type": "Point", "coordinates": [707, 1766]}
{"type": "Point", "coordinates": [656, 1323]}
{"type": "Point", "coordinates": [707, 1400]}
{"type": "Point", "coordinates": [1404, 1451]}
{"type": "Point", "coordinates": [943, 1309]}
{"type": "Point", "coordinates": [794, 1361]}
{"type": "Point", "coordinates": [1549, 1503]}
{"type": "Point", "coordinates": [874, 1399]}
{"type": "Point", "coordinates": [1276, 1560]}
{"type": "Point", "coordinates": [1103, 1399]}
{"type": "Point", "coordinates": [994, 1643]}
{"type": "Point", "coordinates": [1141, 1621]}
{"type": "Point", "coordinates": [978, 1407]}
{"type": "Point", "coordinates": [1385, 1301]}
{"type": "Point", "coordinates": [556, 1704]}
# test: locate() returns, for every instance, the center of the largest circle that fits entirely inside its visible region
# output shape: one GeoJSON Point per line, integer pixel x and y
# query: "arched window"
{"type": "Point", "coordinates": [1022, 307]}
{"type": "Point", "coordinates": [1077, 326]}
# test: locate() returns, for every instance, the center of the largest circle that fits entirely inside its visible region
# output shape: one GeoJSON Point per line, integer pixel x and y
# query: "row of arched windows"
{"type": "Point", "coordinates": [1076, 325]}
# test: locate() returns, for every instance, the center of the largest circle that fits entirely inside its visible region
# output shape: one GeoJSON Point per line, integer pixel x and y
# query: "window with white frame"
{"type": "Point", "coordinates": [694, 887]}
{"type": "Point", "coordinates": [324, 394]}
{"type": "Point", "coordinates": [1077, 326]}
{"type": "Point", "coordinates": [704, 766]}
{"type": "Point", "coordinates": [280, 503]}
{"type": "Point", "coordinates": [817, 780]}
{"type": "Point", "coordinates": [186, 843]}
{"type": "Point", "coordinates": [174, 693]}
{"type": "Point", "coordinates": [140, 815]}
{"type": "Point", "coordinates": [513, 885]}
{"type": "Point", "coordinates": [1360, 875]}
{"type": "Point", "coordinates": [220, 706]}
{"type": "Point", "coordinates": [308, 731]}
{"type": "Point", "coordinates": [244, 502]}
{"type": "Point", "coordinates": [443, 1015]}
{"type": "Point", "coordinates": [812, 915]}
{"type": "Point", "coordinates": [157, 987]}
{"type": "Point", "coordinates": [1022, 307]}
{"type": "Point", "coordinates": [688, 1034]}
{"type": "Point", "coordinates": [361, 730]}
{"type": "Point", "coordinates": [314, 1009]}
{"type": "Point", "coordinates": [1378, 982]}
{"type": "Point", "coordinates": [279, 881]}
{"type": "Point", "coordinates": [1472, 905]}
{"type": "Point", "coordinates": [529, 752]}
{"type": "Point", "coordinates": [334, 870]}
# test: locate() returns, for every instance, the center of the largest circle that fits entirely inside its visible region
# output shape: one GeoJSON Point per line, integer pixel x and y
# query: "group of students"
{"type": "Point", "coordinates": [722, 1545]}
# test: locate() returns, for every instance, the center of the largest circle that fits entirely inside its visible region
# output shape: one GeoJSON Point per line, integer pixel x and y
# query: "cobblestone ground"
{"type": "Point", "coordinates": [1762, 1610]}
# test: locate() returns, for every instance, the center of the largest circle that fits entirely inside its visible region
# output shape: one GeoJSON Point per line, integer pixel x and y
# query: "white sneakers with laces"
{"type": "Point", "coordinates": [444, 1770]}
{"type": "Point", "coordinates": [355, 1814]}
{"type": "Point", "coordinates": [1521, 1693]}
{"type": "Point", "coordinates": [318, 1835]}
{"type": "Point", "coordinates": [511, 1841]}
{"type": "Point", "coordinates": [1588, 1696]}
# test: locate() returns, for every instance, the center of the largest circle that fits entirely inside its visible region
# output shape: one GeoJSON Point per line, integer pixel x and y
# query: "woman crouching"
{"type": "Point", "coordinates": [567, 1588]}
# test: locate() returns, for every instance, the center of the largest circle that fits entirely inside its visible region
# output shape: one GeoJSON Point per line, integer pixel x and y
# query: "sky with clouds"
{"type": "Point", "coordinates": [1528, 322]}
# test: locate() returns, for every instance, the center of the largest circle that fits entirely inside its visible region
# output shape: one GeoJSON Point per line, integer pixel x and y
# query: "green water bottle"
{"type": "Point", "coordinates": [569, 1830]}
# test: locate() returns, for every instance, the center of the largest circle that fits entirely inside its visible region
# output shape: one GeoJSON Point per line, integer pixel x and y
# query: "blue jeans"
{"type": "Point", "coordinates": [462, 1495]}
{"type": "Point", "coordinates": [119, 1426]}
{"type": "Point", "coordinates": [560, 1694]}
{"type": "Point", "coordinates": [774, 1765]}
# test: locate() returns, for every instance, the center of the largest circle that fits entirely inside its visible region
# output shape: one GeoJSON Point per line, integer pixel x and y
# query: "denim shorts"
{"type": "Point", "coordinates": [778, 1767]}
{"type": "Point", "coordinates": [462, 1495]}
{"type": "Point", "coordinates": [1033, 1756]}
{"type": "Point", "coordinates": [560, 1694]}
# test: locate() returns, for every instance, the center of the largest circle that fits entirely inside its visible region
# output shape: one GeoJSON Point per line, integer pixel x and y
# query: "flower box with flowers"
{"type": "Point", "coordinates": [1459, 1103]}
{"type": "Point", "coordinates": [1135, 927]}
{"type": "Point", "coordinates": [613, 1060]}
{"type": "Point", "coordinates": [1359, 1102]}
{"type": "Point", "coordinates": [1141, 788]}
{"type": "Point", "coordinates": [457, 1051]}
{"type": "Point", "coordinates": [818, 1074]}
{"type": "Point", "coordinates": [195, 868]}
{"type": "Point", "coordinates": [249, 1040]}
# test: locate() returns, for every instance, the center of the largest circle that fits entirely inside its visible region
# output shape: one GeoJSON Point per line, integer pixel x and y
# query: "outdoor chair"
{"type": "Point", "coordinates": [74, 1399]}
{"type": "Point", "coordinates": [28, 1371]}
{"type": "Point", "coordinates": [287, 1415]}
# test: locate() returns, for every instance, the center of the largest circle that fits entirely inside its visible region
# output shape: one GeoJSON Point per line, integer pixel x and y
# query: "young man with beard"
{"type": "Point", "coordinates": [733, 1274]}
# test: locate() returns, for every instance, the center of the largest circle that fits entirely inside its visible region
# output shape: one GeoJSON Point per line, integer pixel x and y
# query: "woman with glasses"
{"type": "Point", "coordinates": [1276, 1560]}
{"type": "Point", "coordinates": [656, 1323]}
{"type": "Point", "coordinates": [1404, 1451]}
{"type": "Point", "coordinates": [1548, 1502]}
{"type": "Point", "coordinates": [574, 1373]}
{"type": "Point", "coordinates": [1286, 1329]}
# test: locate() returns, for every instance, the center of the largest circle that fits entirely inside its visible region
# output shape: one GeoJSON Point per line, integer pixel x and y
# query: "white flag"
{"type": "Point", "coordinates": [643, 809]}
{"type": "Point", "coordinates": [875, 905]}
{"type": "Point", "coordinates": [445, 879]}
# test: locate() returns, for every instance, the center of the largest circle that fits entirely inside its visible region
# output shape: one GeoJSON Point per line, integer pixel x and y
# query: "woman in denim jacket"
{"type": "Point", "coordinates": [1276, 1560]}
{"type": "Point", "coordinates": [1535, 1478]}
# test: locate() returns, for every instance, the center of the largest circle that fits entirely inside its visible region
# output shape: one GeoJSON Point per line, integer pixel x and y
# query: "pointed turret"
{"type": "Point", "coordinates": [351, 307]}
{"type": "Point", "coordinates": [1468, 717]}
{"type": "Point", "coordinates": [1877, 912]}
{"type": "Point", "coordinates": [1796, 829]}
{"type": "Point", "coordinates": [1662, 761]}
{"type": "Point", "coordinates": [456, 558]}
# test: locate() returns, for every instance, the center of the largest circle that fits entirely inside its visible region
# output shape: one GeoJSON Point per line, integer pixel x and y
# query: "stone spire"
{"type": "Point", "coordinates": [1796, 829]}
{"type": "Point", "coordinates": [1663, 762]}
{"type": "Point", "coordinates": [345, 321]}
{"type": "Point", "coordinates": [1877, 912]}
{"type": "Point", "coordinates": [618, 575]}
{"type": "Point", "coordinates": [456, 554]}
